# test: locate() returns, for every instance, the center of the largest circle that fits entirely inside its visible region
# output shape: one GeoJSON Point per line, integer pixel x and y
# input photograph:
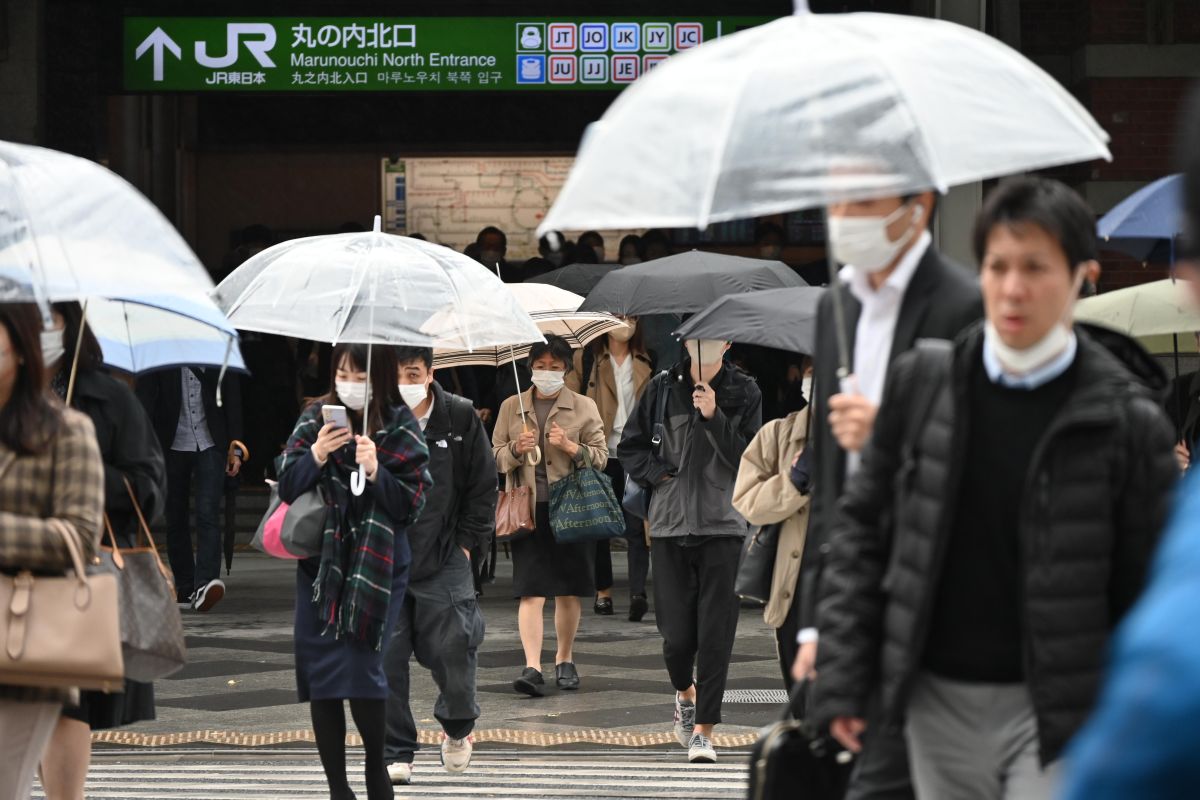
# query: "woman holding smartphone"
{"type": "Point", "coordinates": [349, 598]}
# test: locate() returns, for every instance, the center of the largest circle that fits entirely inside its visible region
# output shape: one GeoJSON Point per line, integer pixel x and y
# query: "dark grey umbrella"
{"type": "Point", "coordinates": [577, 278]}
{"type": "Point", "coordinates": [685, 283]}
{"type": "Point", "coordinates": [785, 319]}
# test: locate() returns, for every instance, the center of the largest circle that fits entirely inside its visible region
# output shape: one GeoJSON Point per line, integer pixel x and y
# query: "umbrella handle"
{"type": "Point", "coordinates": [358, 481]}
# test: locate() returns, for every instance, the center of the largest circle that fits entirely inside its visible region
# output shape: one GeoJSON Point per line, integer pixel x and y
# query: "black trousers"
{"type": "Point", "coordinates": [785, 640]}
{"type": "Point", "coordinates": [697, 614]}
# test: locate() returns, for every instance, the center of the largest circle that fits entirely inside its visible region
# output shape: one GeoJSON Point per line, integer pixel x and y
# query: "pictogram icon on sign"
{"type": "Point", "coordinates": [531, 36]}
{"type": "Point", "coordinates": [593, 36]}
{"type": "Point", "coordinates": [562, 69]}
{"type": "Point", "coordinates": [562, 36]}
{"type": "Point", "coordinates": [625, 69]}
{"type": "Point", "coordinates": [657, 36]}
{"type": "Point", "coordinates": [688, 35]}
{"type": "Point", "coordinates": [626, 36]}
{"type": "Point", "coordinates": [531, 69]}
{"type": "Point", "coordinates": [593, 69]}
{"type": "Point", "coordinates": [650, 62]}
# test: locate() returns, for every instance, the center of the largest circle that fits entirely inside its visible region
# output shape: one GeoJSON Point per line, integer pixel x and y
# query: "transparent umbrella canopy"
{"type": "Point", "coordinates": [814, 109]}
{"type": "Point", "coordinates": [377, 289]}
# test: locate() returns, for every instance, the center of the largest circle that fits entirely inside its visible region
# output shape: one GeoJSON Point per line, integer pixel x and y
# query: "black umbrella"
{"type": "Point", "coordinates": [577, 278]}
{"type": "Point", "coordinates": [685, 283]}
{"type": "Point", "coordinates": [785, 319]}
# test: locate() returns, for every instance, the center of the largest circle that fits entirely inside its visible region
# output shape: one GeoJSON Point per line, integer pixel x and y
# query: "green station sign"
{"type": "Point", "coordinates": [373, 54]}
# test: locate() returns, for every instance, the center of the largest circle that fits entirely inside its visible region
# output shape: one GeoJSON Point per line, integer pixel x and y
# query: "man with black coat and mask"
{"type": "Point", "coordinates": [896, 288]}
{"type": "Point", "coordinates": [1001, 524]}
{"type": "Point", "coordinates": [441, 622]}
{"type": "Point", "coordinates": [684, 442]}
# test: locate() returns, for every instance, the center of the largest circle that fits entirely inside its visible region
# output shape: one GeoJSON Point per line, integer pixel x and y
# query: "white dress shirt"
{"type": "Point", "coordinates": [423, 420]}
{"type": "Point", "coordinates": [876, 327]}
{"type": "Point", "coordinates": [623, 375]}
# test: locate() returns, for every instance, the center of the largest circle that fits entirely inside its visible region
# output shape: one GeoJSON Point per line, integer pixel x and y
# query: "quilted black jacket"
{"type": "Point", "coordinates": [1095, 500]}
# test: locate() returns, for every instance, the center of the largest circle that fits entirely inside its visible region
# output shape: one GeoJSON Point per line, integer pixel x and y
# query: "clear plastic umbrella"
{"type": "Point", "coordinates": [816, 108]}
{"type": "Point", "coordinates": [71, 229]}
{"type": "Point", "coordinates": [136, 338]}
{"type": "Point", "coordinates": [374, 288]}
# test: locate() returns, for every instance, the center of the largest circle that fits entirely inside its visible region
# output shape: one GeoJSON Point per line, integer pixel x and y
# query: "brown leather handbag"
{"type": "Point", "coordinates": [61, 631]}
{"type": "Point", "coordinates": [514, 512]}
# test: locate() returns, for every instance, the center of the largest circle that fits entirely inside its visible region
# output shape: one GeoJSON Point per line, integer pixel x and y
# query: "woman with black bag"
{"type": "Point", "coordinates": [131, 452]}
{"type": "Point", "coordinates": [766, 494]}
{"type": "Point", "coordinates": [613, 370]}
{"type": "Point", "coordinates": [349, 598]}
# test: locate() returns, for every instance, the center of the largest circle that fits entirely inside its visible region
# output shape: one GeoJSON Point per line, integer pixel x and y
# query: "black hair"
{"type": "Point", "coordinates": [1052, 206]}
{"type": "Point", "coordinates": [558, 348]}
{"type": "Point", "coordinates": [28, 421]}
{"type": "Point", "coordinates": [418, 236]}
{"type": "Point", "coordinates": [492, 230]}
{"type": "Point", "coordinates": [591, 238]}
{"type": "Point", "coordinates": [636, 241]}
{"type": "Point", "coordinates": [90, 354]}
{"type": "Point", "coordinates": [256, 234]}
{"type": "Point", "coordinates": [405, 354]}
{"type": "Point", "coordinates": [656, 236]}
{"type": "Point", "coordinates": [764, 229]}
{"type": "Point", "coordinates": [385, 393]}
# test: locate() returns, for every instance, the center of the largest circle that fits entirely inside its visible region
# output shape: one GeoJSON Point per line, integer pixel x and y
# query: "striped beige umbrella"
{"type": "Point", "coordinates": [554, 311]}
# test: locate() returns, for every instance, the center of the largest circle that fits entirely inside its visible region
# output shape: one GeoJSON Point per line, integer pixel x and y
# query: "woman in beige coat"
{"type": "Point", "coordinates": [51, 501]}
{"type": "Point", "coordinates": [559, 430]}
{"type": "Point", "coordinates": [764, 494]}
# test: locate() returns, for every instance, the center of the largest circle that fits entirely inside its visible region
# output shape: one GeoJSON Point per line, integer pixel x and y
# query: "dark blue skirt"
{"type": "Point", "coordinates": [328, 668]}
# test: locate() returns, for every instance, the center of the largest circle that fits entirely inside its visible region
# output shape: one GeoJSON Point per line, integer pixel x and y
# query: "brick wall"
{"type": "Point", "coordinates": [1141, 115]}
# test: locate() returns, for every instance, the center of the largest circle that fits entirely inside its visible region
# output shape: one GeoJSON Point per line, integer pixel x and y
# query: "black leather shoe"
{"type": "Point", "coordinates": [530, 683]}
{"type": "Point", "coordinates": [638, 607]}
{"type": "Point", "coordinates": [603, 606]}
{"type": "Point", "coordinates": [566, 676]}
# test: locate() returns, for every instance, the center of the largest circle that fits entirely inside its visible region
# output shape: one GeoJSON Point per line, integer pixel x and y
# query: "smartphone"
{"type": "Point", "coordinates": [337, 415]}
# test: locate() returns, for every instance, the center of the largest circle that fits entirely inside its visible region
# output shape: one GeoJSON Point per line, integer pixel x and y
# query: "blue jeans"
{"type": "Point", "coordinates": [207, 469]}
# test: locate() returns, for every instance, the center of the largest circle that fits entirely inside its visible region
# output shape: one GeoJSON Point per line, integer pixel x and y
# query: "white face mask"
{"type": "Point", "coordinates": [52, 347]}
{"type": "Point", "coordinates": [705, 351]}
{"type": "Point", "coordinates": [413, 394]}
{"type": "Point", "coordinates": [1022, 362]}
{"type": "Point", "coordinates": [548, 382]}
{"type": "Point", "coordinates": [806, 387]}
{"type": "Point", "coordinates": [353, 394]}
{"type": "Point", "coordinates": [863, 241]}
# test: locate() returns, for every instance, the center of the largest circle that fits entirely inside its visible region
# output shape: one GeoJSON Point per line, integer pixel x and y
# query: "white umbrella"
{"type": "Point", "coordinates": [71, 229]}
{"type": "Point", "coordinates": [1149, 309]}
{"type": "Point", "coordinates": [373, 288]}
{"type": "Point", "coordinates": [816, 108]}
{"type": "Point", "coordinates": [554, 310]}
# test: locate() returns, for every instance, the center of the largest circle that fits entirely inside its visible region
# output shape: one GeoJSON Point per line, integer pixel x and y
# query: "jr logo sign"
{"type": "Point", "coordinates": [259, 39]}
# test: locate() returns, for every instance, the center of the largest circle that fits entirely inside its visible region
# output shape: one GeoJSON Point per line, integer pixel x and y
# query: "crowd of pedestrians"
{"type": "Point", "coordinates": [969, 493]}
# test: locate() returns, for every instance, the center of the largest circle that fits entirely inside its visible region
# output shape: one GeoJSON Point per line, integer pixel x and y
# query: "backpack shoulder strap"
{"type": "Point", "coordinates": [462, 417]}
{"type": "Point", "coordinates": [588, 366]}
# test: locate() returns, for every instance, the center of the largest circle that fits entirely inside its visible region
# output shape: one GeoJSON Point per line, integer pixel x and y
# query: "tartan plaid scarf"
{"type": "Point", "coordinates": [353, 589]}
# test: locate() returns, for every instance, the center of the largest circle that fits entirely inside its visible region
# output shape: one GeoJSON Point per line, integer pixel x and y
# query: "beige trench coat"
{"type": "Point", "coordinates": [574, 413]}
{"type": "Point", "coordinates": [764, 495]}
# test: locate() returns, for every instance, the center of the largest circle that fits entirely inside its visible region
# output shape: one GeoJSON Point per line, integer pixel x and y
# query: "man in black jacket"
{"type": "Point", "coordinates": [441, 623]}
{"type": "Point", "coordinates": [896, 288]}
{"type": "Point", "coordinates": [1007, 507]}
{"type": "Point", "coordinates": [196, 435]}
{"type": "Point", "coordinates": [686, 448]}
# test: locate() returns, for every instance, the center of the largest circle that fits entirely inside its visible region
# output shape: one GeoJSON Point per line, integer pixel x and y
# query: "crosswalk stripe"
{"type": "Point", "coordinates": [612, 775]}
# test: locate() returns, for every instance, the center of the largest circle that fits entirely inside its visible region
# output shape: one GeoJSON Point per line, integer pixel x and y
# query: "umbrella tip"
{"type": "Point", "coordinates": [378, 224]}
{"type": "Point", "coordinates": [800, 7]}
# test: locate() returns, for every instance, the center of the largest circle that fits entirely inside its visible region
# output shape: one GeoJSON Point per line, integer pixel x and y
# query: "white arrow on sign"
{"type": "Point", "coordinates": [159, 41]}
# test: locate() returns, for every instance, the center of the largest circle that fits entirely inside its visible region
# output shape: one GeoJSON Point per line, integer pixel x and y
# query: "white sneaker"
{"type": "Point", "coordinates": [701, 750]}
{"type": "Point", "coordinates": [209, 595]}
{"type": "Point", "coordinates": [456, 753]}
{"type": "Point", "coordinates": [400, 773]}
{"type": "Point", "coordinates": [685, 721]}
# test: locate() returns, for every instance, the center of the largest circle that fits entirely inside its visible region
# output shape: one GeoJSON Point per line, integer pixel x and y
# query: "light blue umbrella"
{"type": "Point", "coordinates": [1151, 216]}
{"type": "Point", "coordinates": [137, 338]}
